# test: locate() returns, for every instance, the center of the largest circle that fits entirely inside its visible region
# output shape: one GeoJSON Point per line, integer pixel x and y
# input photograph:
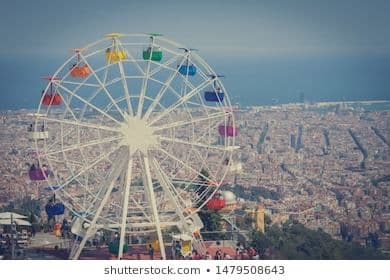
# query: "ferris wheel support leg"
{"type": "Point", "coordinates": [168, 189]}
{"type": "Point", "coordinates": [152, 199]}
{"type": "Point", "coordinates": [115, 172]}
{"type": "Point", "coordinates": [125, 206]}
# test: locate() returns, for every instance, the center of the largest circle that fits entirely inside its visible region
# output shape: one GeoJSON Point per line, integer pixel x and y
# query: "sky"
{"type": "Point", "coordinates": [269, 50]}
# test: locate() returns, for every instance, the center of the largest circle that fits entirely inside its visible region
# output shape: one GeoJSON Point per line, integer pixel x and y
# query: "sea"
{"type": "Point", "coordinates": [249, 80]}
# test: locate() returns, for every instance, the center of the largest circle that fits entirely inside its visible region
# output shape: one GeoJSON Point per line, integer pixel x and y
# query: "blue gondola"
{"type": "Point", "coordinates": [54, 209]}
{"type": "Point", "coordinates": [189, 70]}
{"type": "Point", "coordinates": [51, 188]}
{"type": "Point", "coordinates": [214, 96]}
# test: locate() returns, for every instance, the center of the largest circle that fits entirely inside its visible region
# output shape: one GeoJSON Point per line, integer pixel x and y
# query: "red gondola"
{"type": "Point", "coordinates": [216, 203]}
{"type": "Point", "coordinates": [79, 70]}
{"type": "Point", "coordinates": [51, 97]}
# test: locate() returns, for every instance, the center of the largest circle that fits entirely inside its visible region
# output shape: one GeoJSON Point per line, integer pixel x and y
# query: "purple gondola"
{"type": "Point", "coordinates": [38, 174]}
{"type": "Point", "coordinates": [227, 130]}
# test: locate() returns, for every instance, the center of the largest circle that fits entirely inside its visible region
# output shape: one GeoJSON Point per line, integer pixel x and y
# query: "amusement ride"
{"type": "Point", "coordinates": [134, 134]}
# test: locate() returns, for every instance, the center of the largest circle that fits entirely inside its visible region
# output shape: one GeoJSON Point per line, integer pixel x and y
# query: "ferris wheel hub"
{"type": "Point", "coordinates": [138, 135]}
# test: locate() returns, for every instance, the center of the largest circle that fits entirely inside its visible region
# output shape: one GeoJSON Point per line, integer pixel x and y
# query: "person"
{"type": "Point", "coordinates": [8, 240]}
{"type": "Point", "coordinates": [64, 228]}
{"type": "Point", "coordinates": [173, 250]}
{"type": "Point", "coordinates": [151, 251]}
{"type": "Point", "coordinates": [98, 238]}
{"type": "Point", "coordinates": [196, 255]}
{"type": "Point", "coordinates": [30, 128]}
{"type": "Point", "coordinates": [218, 255]}
{"type": "Point", "coordinates": [208, 256]}
{"type": "Point", "coordinates": [226, 256]}
{"type": "Point", "coordinates": [178, 250]}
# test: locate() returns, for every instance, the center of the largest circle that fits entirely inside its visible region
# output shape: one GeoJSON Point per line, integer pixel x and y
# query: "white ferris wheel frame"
{"type": "Point", "coordinates": [149, 127]}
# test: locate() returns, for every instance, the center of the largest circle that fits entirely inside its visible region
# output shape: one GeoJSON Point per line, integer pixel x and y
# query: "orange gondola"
{"type": "Point", "coordinates": [79, 70]}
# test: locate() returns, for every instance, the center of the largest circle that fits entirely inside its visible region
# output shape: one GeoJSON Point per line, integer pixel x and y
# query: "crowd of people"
{"type": "Point", "coordinates": [241, 253]}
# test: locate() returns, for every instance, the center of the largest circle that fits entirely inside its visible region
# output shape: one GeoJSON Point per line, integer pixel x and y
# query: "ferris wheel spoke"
{"type": "Point", "coordinates": [162, 91]}
{"type": "Point", "coordinates": [141, 208]}
{"type": "Point", "coordinates": [84, 145]}
{"type": "Point", "coordinates": [181, 101]}
{"type": "Point", "coordinates": [125, 88]}
{"type": "Point", "coordinates": [144, 83]}
{"type": "Point", "coordinates": [87, 168]}
{"type": "Point", "coordinates": [165, 180]}
{"type": "Point", "coordinates": [95, 93]}
{"type": "Point", "coordinates": [193, 121]}
{"type": "Point", "coordinates": [130, 55]}
{"type": "Point", "coordinates": [174, 197]}
{"type": "Point", "coordinates": [184, 164]}
{"type": "Point", "coordinates": [110, 182]}
{"type": "Point", "coordinates": [88, 103]}
{"type": "Point", "coordinates": [103, 86]}
{"type": "Point", "coordinates": [79, 123]}
{"type": "Point", "coordinates": [197, 144]}
{"type": "Point", "coordinates": [84, 83]}
{"type": "Point", "coordinates": [164, 65]}
{"type": "Point", "coordinates": [79, 84]}
{"type": "Point", "coordinates": [58, 160]}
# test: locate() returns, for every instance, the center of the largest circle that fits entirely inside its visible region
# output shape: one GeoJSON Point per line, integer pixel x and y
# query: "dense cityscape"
{"type": "Point", "coordinates": [325, 167]}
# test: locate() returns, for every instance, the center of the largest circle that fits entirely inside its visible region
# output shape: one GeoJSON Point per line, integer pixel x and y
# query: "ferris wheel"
{"type": "Point", "coordinates": [137, 132]}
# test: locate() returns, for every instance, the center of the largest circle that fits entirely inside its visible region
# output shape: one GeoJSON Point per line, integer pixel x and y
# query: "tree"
{"type": "Point", "coordinates": [260, 242]}
{"type": "Point", "coordinates": [294, 241]}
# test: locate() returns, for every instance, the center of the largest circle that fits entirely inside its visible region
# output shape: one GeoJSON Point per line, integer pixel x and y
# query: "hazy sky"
{"type": "Point", "coordinates": [263, 26]}
{"type": "Point", "coordinates": [351, 35]}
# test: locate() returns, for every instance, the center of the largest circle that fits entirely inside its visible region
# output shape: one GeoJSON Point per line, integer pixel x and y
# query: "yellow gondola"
{"type": "Point", "coordinates": [115, 55]}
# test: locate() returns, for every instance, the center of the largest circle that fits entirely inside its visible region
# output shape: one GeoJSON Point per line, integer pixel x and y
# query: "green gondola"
{"type": "Point", "coordinates": [155, 55]}
{"type": "Point", "coordinates": [113, 247]}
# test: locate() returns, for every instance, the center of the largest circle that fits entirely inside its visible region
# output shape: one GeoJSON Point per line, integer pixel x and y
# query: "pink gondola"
{"type": "Point", "coordinates": [228, 130]}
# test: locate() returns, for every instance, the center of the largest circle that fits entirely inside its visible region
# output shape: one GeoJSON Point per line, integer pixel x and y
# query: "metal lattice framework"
{"type": "Point", "coordinates": [134, 146]}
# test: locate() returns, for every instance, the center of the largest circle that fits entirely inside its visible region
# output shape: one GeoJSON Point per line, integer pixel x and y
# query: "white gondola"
{"type": "Point", "coordinates": [235, 167]}
{"type": "Point", "coordinates": [37, 132]}
{"type": "Point", "coordinates": [38, 135]}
